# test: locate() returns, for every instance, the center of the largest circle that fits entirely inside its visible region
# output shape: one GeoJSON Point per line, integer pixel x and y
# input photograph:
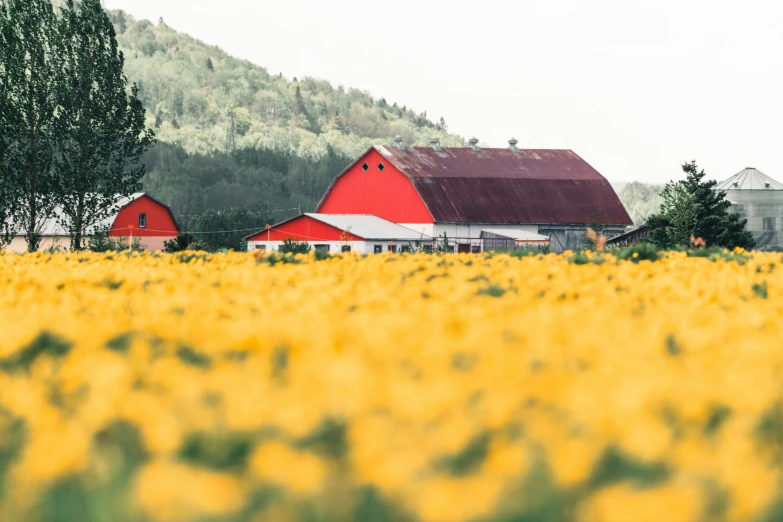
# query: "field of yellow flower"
{"type": "Point", "coordinates": [427, 388]}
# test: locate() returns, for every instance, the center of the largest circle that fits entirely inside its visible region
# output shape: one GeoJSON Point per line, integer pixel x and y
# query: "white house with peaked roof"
{"type": "Point", "coordinates": [759, 199]}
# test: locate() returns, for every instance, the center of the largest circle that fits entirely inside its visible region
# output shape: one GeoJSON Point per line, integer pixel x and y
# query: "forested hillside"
{"type": "Point", "coordinates": [640, 199]}
{"type": "Point", "coordinates": [231, 134]}
{"type": "Point", "coordinates": [202, 99]}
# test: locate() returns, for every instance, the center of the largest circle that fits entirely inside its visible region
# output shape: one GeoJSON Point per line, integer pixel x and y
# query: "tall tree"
{"type": "Point", "coordinates": [7, 193]}
{"type": "Point", "coordinates": [100, 125]}
{"type": "Point", "coordinates": [697, 205]}
{"type": "Point", "coordinates": [31, 68]}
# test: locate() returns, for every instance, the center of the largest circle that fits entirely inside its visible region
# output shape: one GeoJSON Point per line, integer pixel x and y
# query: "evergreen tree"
{"type": "Point", "coordinates": [30, 61]}
{"type": "Point", "coordinates": [100, 128]}
{"type": "Point", "coordinates": [695, 204]}
{"type": "Point", "coordinates": [210, 66]}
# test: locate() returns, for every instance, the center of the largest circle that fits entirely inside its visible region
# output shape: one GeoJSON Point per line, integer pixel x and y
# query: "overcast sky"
{"type": "Point", "coordinates": [635, 87]}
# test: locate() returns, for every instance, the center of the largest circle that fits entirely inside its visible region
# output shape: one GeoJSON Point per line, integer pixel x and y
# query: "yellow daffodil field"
{"type": "Point", "coordinates": [432, 388]}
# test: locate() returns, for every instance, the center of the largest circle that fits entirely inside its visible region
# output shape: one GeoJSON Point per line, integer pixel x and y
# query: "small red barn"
{"type": "Point", "coordinates": [139, 216]}
{"type": "Point", "coordinates": [340, 233]}
{"type": "Point", "coordinates": [147, 218]}
{"type": "Point", "coordinates": [462, 191]}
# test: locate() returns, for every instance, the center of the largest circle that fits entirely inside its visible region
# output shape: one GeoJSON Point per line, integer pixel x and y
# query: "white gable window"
{"type": "Point", "coordinates": [142, 220]}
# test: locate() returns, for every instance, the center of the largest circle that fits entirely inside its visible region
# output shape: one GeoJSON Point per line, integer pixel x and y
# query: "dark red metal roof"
{"type": "Point", "coordinates": [460, 185]}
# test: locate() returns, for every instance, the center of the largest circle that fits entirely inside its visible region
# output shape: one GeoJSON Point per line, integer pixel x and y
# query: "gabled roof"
{"type": "Point", "coordinates": [368, 227]}
{"type": "Point", "coordinates": [750, 179]}
{"type": "Point", "coordinates": [52, 226]}
{"type": "Point", "coordinates": [502, 186]}
{"type": "Point", "coordinates": [364, 226]}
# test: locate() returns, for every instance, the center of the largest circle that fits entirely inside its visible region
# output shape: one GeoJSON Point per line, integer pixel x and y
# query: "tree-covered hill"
{"type": "Point", "coordinates": [202, 99]}
{"type": "Point", "coordinates": [640, 199]}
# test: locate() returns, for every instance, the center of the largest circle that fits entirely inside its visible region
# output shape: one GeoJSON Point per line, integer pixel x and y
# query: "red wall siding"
{"type": "Point", "coordinates": [304, 228]}
{"type": "Point", "coordinates": [159, 220]}
{"type": "Point", "coordinates": [388, 194]}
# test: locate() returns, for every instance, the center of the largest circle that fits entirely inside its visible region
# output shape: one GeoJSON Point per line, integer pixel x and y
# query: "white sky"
{"type": "Point", "coordinates": [636, 87]}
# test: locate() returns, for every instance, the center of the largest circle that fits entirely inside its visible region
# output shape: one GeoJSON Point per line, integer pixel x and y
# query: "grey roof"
{"type": "Point", "coordinates": [52, 226]}
{"type": "Point", "coordinates": [516, 234]}
{"type": "Point", "coordinates": [750, 179]}
{"type": "Point", "coordinates": [369, 227]}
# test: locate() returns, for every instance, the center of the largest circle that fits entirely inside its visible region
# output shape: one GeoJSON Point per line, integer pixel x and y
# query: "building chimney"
{"type": "Point", "coordinates": [435, 144]}
{"type": "Point", "coordinates": [398, 142]}
{"type": "Point", "coordinates": [512, 143]}
{"type": "Point", "coordinates": [473, 142]}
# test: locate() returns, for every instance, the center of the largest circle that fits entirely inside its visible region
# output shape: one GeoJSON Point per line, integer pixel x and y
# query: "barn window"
{"type": "Point", "coordinates": [427, 248]}
{"type": "Point", "coordinates": [142, 220]}
{"type": "Point", "coordinates": [346, 248]}
{"type": "Point", "coordinates": [770, 224]}
{"type": "Point", "coordinates": [406, 249]}
{"type": "Point", "coordinates": [377, 249]}
{"type": "Point", "coordinates": [476, 249]}
{"type": "Point", "coordinates": [381, 166]}
{"type": "Point", "coordinates": [393, 248]}
{"type": "Point", "coordinates": [261, 247]}
{"type": "Point", "coordinates": [365, 167]}
{"type": "Point", "coordinates": [321, 248]}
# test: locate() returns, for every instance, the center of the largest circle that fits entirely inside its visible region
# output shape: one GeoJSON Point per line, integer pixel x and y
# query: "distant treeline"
{"type": "Point", "coordinates": [259, 180]}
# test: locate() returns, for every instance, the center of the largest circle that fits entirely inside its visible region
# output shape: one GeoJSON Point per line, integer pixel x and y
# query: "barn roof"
{"type": "Point", "coordinates": [368, 227]}
{"type": "Point", "coordinates": [53, 227]}
{"type": "Point", "coordinates": [365, 226]}
{"type": "Point", "coordinates": [750, 179]}
{"type": "Point", "coordinates": [461, 185]}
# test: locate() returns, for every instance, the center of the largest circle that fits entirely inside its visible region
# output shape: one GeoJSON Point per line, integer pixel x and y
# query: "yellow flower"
{"type": "Point", "coordinates": [276, 463]}
{"type": "Point", "coordinates": [172, 492]}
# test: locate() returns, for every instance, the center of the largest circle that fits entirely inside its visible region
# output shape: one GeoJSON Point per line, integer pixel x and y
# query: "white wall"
{"type": "Point", "coordinates": [335, 247]}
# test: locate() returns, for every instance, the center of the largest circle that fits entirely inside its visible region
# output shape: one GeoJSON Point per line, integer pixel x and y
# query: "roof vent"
{"type": "Point", "coordinates": [435, 144]}
{"type": "Point", "coordinates": [398, 142]}
{"type": "Point", "coordinates": [735, 185]}
{"type": "Point", "coordinates": [473, 142]}
{"type": "Point", "coordinates": [767, 185]}
{"type": "Point", "coordinates": [512, 143]}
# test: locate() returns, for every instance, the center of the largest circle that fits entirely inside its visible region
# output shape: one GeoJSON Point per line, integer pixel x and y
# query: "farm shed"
{"type": "Point", "coordinates": [758, 198]}
{"type": "Point", "coordinates": [139, 215]}
{"type": "Point", "coordinates": [499, 239]}
{"type": "Point", "coordinates": [340, 233]}
{"type": "Point", "coordinates": [462, 191]}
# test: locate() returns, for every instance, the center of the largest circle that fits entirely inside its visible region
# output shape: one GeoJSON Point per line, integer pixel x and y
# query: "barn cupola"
{"type": "Point", "coordinates": [473, 142]}
{"type": "Point", "coordinates": [398, 142]}
{"type": "Point", "coordinates": [512, 144]}
{"type": "Point", "coordinates": [435, 144]}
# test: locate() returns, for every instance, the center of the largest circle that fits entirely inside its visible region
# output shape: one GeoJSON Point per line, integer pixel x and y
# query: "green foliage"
{"type": "Point", "coordinates": [636, 253]}
{"type": "Point", "coordinates": [640, 200]}
{"type": "Point", "coordinates": [184, 241]}
{"type": "Point", "coordinates": [100, 241]}
{"type": "Point", "coordinates": [694, 206]}
{"type": "Point", "coordinates": [30, 68]}
{"type": "Point", "coordinates": [227, 229]}
{"type": "Point", "coordinates": [291, 246]}
{"type": "Point", "coordinates": [100, 121]}
{"type": "Point", "coordinates": [198, 85]}
{"type": "Point", "coordinates": [46, 343]}
{"type": "Point", "coordinates": [192, 184]}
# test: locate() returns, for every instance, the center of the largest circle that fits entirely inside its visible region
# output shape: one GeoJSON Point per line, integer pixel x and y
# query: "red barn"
{"type": "Point", "coordinates": [139, 216]}
{"type": "Point", "coordinates": [142, 216]}
{"type": "Point", "coordinates": [462, 191]}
